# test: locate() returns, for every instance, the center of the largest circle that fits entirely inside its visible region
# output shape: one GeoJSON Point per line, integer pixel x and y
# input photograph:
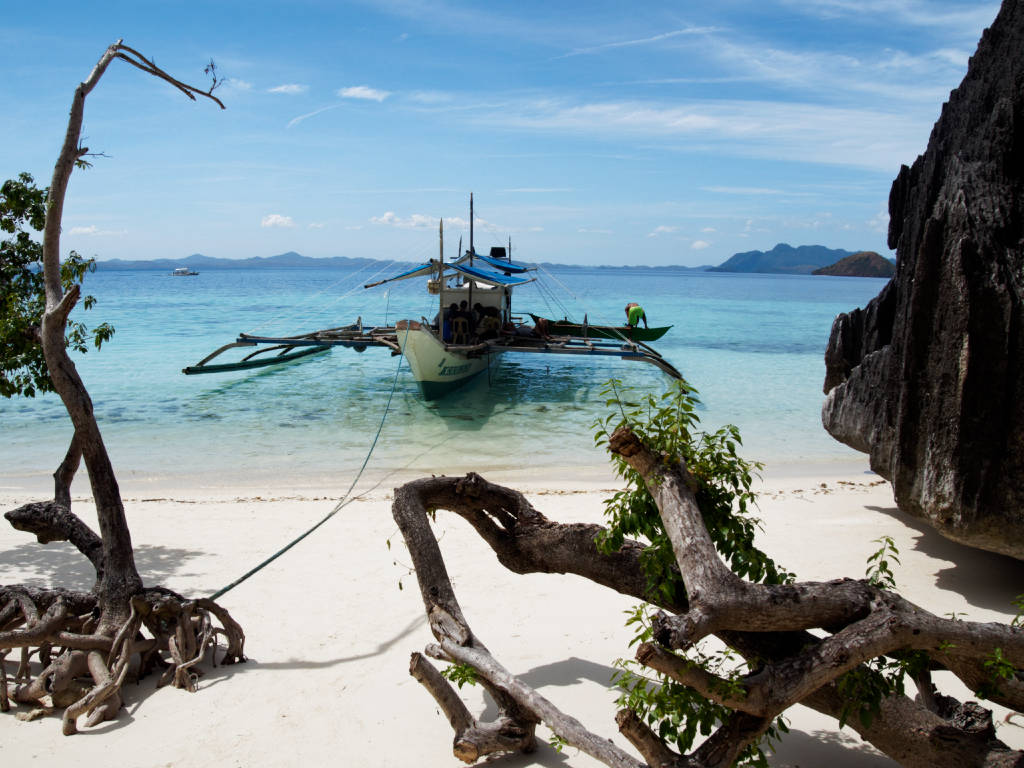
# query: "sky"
{"type": "Point", "coordinates": [595, 132]}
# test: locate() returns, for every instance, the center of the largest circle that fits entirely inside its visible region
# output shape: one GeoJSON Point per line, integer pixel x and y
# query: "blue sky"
{"type": "Point", "coordinates": [590, 133]}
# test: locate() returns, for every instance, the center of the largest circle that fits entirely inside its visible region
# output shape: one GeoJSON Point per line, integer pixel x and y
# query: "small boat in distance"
{"type": "Point", "coordinates": [183, 272]}
{"type": "Point", "coordinates": [584, 330]}
{"type": "Point", "coordinates": [474, 327]}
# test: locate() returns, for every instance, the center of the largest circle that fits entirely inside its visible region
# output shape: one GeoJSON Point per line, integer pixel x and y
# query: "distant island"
{"type": "Point", "coordinates": [293, 260]}
{"type": "Point", "coordinates": [782, 259]}
{"type": "Point", "coordinates": [198, 261]}
{"type": "Point", "coordinates": [862, 264]}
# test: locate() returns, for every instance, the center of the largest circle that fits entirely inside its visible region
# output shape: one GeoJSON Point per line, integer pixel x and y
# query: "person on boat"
{"type": "Point", "coordinates": [490, 325]}
{"type": "Point", "coordinates": [634, 314]}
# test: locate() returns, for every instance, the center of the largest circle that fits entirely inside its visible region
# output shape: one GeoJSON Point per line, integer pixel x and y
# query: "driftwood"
{"type": "Point", "coordinates": [769, 624]}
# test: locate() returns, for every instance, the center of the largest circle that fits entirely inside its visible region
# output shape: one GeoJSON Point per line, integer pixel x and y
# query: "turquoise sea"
{"type": "Point", "coordinates": [752, 345]}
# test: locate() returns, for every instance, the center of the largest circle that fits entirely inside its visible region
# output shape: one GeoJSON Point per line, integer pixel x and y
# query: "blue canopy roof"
{"type": "Point", "coordinates": [483, 275]}
{"type": "Point", "coordinates": [486, 276]}
{"type": "Point", "coordinates": [508, 267]}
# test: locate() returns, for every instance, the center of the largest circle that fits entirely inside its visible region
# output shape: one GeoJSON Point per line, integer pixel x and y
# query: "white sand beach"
{"type": "Point", "coordinates": [331, 624]}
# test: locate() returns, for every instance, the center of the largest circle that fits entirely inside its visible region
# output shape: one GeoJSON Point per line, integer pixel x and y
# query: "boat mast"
{"type": "Point", "coordinates": [469, 303]}
{"type": "Point", "coordinates": [440, 279]}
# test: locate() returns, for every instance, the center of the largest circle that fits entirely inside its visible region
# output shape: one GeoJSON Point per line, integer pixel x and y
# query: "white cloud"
{"type": "Point", "coordinates": [316, 225]}
{"type": "Point", "coordinates": [238, 85]}
{"type": "Point", "coordinates": [587, 231]}
{"type": "Point", "coordinates": [277, 220]}
{"type": "Point", "coordinates": [457, 222]}
{"type": "Point", "coordinates": [663, 229]}
{"type": "Point", "coordinates": [416, 221]}
{"type": "Point", "coordinates": [93, 230]}
{"type": "Point", "coordinates": [289, 88]}
{"type": "Point", "coordinates": [699, 245]}
{"type": "Point", "coordinates": [363, 92]}
{"type": "Point", "coordinates": [709, 230]}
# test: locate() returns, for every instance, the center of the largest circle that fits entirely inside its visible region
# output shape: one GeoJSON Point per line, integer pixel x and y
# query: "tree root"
{"type": "Point", "coordinates": [82, 670]}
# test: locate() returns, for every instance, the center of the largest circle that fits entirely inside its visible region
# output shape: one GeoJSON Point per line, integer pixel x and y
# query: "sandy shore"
{"type": "Point", "coordinates": [331, 624]}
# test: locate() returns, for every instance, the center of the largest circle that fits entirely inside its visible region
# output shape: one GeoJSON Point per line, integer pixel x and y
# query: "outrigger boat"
{"type": "Point", "coordinates": [445, 354]}
{"type": "Point", "coordinates": [584, 330]}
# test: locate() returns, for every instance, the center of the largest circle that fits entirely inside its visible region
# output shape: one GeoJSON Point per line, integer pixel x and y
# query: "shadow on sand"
{"type": "Point", "coordinates": [983, 579]}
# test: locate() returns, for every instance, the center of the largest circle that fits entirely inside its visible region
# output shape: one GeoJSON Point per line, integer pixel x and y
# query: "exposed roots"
{"type": "Point", "coordinates": [81, 669]}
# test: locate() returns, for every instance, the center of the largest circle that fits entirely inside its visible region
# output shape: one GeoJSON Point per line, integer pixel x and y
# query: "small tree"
{"type": "Point", "coordinates": [95, 633]}
{"type": "Point", "coordinates": [23, 297]}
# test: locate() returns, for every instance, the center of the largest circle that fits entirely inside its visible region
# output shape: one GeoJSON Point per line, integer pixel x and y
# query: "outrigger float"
{"type": "Point", "coordinates": [446, 354]}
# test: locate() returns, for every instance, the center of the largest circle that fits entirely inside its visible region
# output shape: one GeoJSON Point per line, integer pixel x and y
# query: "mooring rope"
{"type": "Point", "coordinates": [345, 501]}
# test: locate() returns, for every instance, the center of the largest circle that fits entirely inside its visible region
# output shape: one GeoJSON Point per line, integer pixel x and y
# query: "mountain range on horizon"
{"type": "Point", "coordinates": [782, 259]}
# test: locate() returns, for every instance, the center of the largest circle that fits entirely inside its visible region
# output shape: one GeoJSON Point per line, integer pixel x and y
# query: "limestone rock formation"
{"type": "Point", "coordinates": [929, 377]}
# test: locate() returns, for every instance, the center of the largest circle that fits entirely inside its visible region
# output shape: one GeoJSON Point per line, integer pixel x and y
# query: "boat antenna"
{"type": "Point", "coordinates": [471, 229]}
{"type": "Point", "coordinates": [510, 249]}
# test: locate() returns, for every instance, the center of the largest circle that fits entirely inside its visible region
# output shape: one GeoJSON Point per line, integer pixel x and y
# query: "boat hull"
{"type": "Point", "coordinates": [566, 328]}
{"type": "Point", "coordinates": [436, 369]}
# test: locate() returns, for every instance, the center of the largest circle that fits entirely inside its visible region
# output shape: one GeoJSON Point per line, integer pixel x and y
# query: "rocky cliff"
{"type": "Point", "coordinates": [929, 378]}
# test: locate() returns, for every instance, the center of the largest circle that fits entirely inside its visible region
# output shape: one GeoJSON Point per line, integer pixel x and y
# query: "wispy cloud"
{"type": "Point", "coordinates": [918, 13]}
{"type": "Point", "coordinates": [233, 83]}
{"type": "Point", "coordinates": [588, 231]}
{"type": "Point", "coordinates": [431, 97]}
{"type": "Point", "coordinates": [742, 190]}
{"type": "Point", "coordinates": [636, 42]}
{"type": "Point", "coordinates": [699, 245]}
{"type": "Point", "coordinates": [289, 88]}
{"type": "Point", "coordinates": [363, 92]}
{"type": "Point", "coordinates": [879, 222]}
{"type": "Point", "coordinates": [277, 220]}
{"type": "Point", "coordinates": [777, 130]}
{"type": "Point", "coordinates": [296, 120]}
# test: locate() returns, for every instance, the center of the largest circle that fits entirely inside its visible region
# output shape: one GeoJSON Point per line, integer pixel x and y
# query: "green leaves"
{"type": "Point", "coordinates": [669, 426]}
{"type": "Point", "coordinates": [22, 296]}
{"type": "Point", "coordinates": [878, 571]}
{"type": "Point", "coordinates": [460, 674]}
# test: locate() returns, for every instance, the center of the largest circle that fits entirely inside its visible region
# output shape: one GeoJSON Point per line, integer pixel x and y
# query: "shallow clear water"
{"type": "Point", "coordinates": [751, 344]}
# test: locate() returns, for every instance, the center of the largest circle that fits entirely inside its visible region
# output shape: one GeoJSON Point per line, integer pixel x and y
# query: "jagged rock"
{"type": "Point", "coordinates": [929, 378]}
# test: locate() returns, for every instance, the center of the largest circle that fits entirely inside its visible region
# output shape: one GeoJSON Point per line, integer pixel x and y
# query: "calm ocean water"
{"type": "Point", "coordinates": [751, 344]}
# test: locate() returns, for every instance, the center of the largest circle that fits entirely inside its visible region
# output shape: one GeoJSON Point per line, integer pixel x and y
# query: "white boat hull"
{"type": "Point", "coordinates": [436, 369]}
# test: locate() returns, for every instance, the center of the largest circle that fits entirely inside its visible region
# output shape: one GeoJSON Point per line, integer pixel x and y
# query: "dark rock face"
{"type": "Point", "coordinates": [929, 378]}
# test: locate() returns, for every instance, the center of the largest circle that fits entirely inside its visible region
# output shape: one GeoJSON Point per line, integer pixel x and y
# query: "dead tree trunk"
{"type": "Point", "coordinates": [762, 622]}
{"type": "Point", "coordinates": [98, 632]}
